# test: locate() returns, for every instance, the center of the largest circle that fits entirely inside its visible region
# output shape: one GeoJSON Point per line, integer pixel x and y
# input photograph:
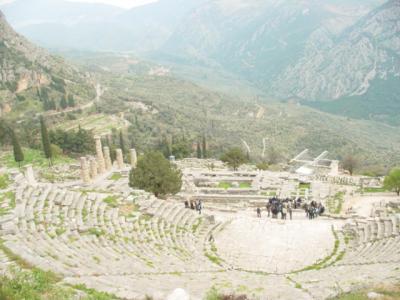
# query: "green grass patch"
{"type": "Point", "coordinates": [33, 157]}
{"type": "Point", "coordinates": [34, 284]}
{"type": "Point", "coordinates": [374, 190]}
{"type": "Point", "coordinates": [9, 199]}
{"type": "Point", "coordinates": [387, 293]}
{"type": "Point", "coordinates": [92, 294]}
{"type": "Point", "coordinates": [224, 185]}
{"type": "Point", "coordinates": [60, 231]}
{"type": "Point", "coordinates": [196, 225]}
{"type": "Point", "coordinates": [244, 185]}
{"type": "Point", "coordinates": [213, 258]}
{"type": "Point", "coordinates": [115, 176]}
{"type": "Point", "coordinates": [13, 257]}
{"type": "Point", "coordinates": [4, 181]}
{"type": "Point", "coordinates": [96, 232]}
{"type": "Point", "coordinates": [335, 203]}
{"type": "Point", "coordinates": [111, 201]}
{"type": "Point", "coordinates": [304, 185]}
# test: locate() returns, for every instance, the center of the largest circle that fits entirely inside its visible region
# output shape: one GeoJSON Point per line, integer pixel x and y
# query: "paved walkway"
{"type": "Point", "coordinates": [275, 246]}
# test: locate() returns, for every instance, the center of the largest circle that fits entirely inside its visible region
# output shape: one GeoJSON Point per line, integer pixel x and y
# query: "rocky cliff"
{"type": "Point", "coordinates": [336, 66]}
{"type": "Point", "coordinates": [25, 69]}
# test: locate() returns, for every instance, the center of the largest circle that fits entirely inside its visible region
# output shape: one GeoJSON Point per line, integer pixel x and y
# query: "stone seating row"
{"type": "Point", "coordinates": [79, 234]}
{"type": "Point", "coordinates": [373, 241]}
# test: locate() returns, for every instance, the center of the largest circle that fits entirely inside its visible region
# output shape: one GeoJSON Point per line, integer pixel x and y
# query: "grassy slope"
{"type": "Point", "coordinates": [185, 108]}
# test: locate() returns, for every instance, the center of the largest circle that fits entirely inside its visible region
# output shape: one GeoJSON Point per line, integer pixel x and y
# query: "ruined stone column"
{"type": "Point", "coordinates": [99, 155]}
{"type": "Point", "coordinates": [367, 232]}
{"type": "Point", "coordinates": [93, 168]}
{"type": "Point", "coordinates": [85, 170]}
{"type": "Point", "coordinates": [29, 175]}
{"type": "Point", "coordinates": [388, 227]}
{"type": "Point", "coordinates": [107, 158]}
{"type": "Point", "coordinates": [133, 156]}
{"type": "Point", "coordinates": [120, 159]}
{"type": "Point", "coordinates": [381, 229]}
{"type": "Point", "coordinates": [395, 225]}
{"type": "Point", "coordinates": [373, 230]}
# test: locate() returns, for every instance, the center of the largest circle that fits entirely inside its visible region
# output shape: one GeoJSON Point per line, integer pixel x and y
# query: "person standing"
{"type": "Point", "coordinates": [199, 206]}
{"type": "Point", "coordinates": [269, 209]}
{"type": "Point", "coordinates": [284, 211]}
{"type": "Point", "coordinates": [258, 212]}
{"type": "Point", "coordinates": [290, 210]}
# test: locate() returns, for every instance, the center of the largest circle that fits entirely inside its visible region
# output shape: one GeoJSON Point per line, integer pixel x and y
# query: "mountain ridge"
{"type": "Point", "coordinates": [29, 74]}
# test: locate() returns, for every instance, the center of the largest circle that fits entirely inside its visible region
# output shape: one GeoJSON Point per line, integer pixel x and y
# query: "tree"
{"type": "Point", "coordinates": [52, 105]}
{"type": "Point", "coordinates": [273, 156]}
{"type": "Point", "coordinates": [46, 141]}
{"type": "Point", "coordinates": [78, 142]}
{"type": "Point", "coordinates": [63, 102]}
{"type": "Point", "coordinates": [350, 163]}
{"type": "Point", "coordinates": [122, 142]}
{"type": "Point", "coordinates": [392, 181]}
{"type": "Point", "coordinates": [198, 150]}
{"type": "Point", "coordinates": [71, 100]}
{"type": "Point", "coordinates": [262, 166]}
{"type": "Point", "coordinates": [181, 149]}
{"type": "Point", "coordinates": [18, 154]}
{"type": "Point", "coordinates": [204, 147]}
{"type": "Point", "coordinates": [155, 174]}
{"type": "Point", "coordinates": [234, 158]}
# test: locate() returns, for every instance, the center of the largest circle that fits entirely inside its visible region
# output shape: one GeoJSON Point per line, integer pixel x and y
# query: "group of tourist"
{"type": "Point", "coordinates": [314, 209]}
{"type": "Point", "coordinates": [194, 205]}
{"type": "Point", "coordinates": [284, 207]}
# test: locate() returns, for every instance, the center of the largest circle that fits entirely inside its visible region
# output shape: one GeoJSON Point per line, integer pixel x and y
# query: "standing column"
{"type": "Point", "coordinates": [381, 228]}
{"type": "Point", "coordinates": [133, 158]}
{"type": "Point", "coordinates": [93, 168]}
{"type": "Point", "coordinates": [29, 175]}
{"type": "Point", "coordinates": [120, 159]}
{"type": "Point", "coordinates": [388, 227]}
{"type": "Point", "coordinates": [84, 171]}
{"type": "Point", "coordinates": [99, 155]}
{"type": "Point", "coordinates": [107, 158]}
{"type": "Point", "coordinates": [395, 225]}
{"type": "Point", "coordinates": [373, 229]}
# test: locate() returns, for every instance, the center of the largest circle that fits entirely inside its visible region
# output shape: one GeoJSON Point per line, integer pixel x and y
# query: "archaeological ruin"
{"type": "Point", "coordinates": [97, 231]}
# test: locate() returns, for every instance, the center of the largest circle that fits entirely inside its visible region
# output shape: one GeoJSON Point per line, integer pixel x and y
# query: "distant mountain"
{"type": "Point", "coordinates": [340, 56]}
{"type": "Point", "coordinates": [300, 50]}
{"type": "Point", "coordinates": [333, 67]}
{"type": "Point", "coordinates": [93, 26]}
{"type": "Point", "coordinates": [259, 39]}
{"type": "Point", "coordinates": [29, 75]}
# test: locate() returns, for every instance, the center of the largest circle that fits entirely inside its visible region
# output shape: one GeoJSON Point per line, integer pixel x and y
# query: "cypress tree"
{"type": "Point", "coordinates": [122, 142]}
{"type": "Point", "coordinates": [198, 150]}
{"type": "Point", "coordinates": [52, 105]}
{"type": "Point", "coordinates": [71, 100]}
{"type": "Point", "coordinates": [63, 102]}
{"type": "Point", "coordinates": [18, 154]}
{"type": "Point", "coordinates": [204, 147]}
{"type": "Point", "coordinates": [46, 141]}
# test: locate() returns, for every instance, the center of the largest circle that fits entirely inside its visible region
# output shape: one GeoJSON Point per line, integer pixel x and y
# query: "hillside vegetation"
{"type": "Point", "coordinates": [158, 106]}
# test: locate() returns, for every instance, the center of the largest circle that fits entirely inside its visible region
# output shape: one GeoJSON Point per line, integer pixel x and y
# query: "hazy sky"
{"type": "Point", "coordinates": [120, 3]}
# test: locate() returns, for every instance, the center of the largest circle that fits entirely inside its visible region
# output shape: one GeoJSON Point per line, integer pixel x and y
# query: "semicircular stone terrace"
{"type": "Point", "coordinates": [132, 244]}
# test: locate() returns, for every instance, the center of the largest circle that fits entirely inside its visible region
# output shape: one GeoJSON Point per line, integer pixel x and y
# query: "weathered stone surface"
{"type": "Point", "coordinates": [99, 155]}
{"type": "Point", "coordinates": [120, 159]}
